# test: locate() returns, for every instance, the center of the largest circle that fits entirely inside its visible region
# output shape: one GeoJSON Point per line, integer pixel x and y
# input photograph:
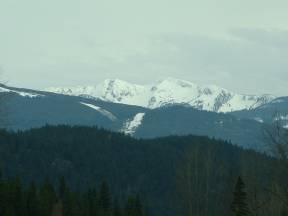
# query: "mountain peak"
{"type": "Point", "coordinates": [175, 81]}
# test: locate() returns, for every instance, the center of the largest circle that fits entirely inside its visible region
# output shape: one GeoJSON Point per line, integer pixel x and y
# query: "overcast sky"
{"type": "Point", "coordinates": [241, 45]}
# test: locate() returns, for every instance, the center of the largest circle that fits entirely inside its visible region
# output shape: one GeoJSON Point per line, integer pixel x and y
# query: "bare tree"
{"type": "Point", "coordinates": [3, 102]}
{"type": "Point", "coordinates": [276, 135]}
{"type": "Point", "coordinates": [3, 108]}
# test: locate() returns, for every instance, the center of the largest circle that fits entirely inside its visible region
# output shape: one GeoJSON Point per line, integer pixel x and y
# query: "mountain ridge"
{"type": "Point", "coordinates": [166, 92]}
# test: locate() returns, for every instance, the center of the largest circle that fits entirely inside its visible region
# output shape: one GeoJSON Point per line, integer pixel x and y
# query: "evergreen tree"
{"type": "Point", "coordinates": [47, 199]}
{"type": "Point", "coordinates": [134, 207]}
{"type": "Point", "coordinates": [116, 208]}
{"type": "Point", "coordinates": [45, 202]}
{"type": "Point", "coordinates": [17, 196]}
{"type": "Point", "coordinates": [62, 187]}
{"type": "Point", "coordinates": [85, 205]}
{"type": "Point", "coordinates": [93, 202]}
{"type": "Point", "coordinates": [105, 199]}
{"type": "Point", "coordinates": [57, 209]}
{"type": "Point", "coordinates": [9, 211]}
{"type": "Point", "coordinates": [239, 205]}
{"type": "Point", "coordinates": [71, 204]}
{"type": "Point", "coordinates": [32, 201]}
{"type": "Point", "coordinates": [2, 198]}
{"type": "Point", "coordinates": [138, 207]}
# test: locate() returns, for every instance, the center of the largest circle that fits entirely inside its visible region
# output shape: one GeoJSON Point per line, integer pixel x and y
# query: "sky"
{"type": "Point", "coordinates": [241, 45]}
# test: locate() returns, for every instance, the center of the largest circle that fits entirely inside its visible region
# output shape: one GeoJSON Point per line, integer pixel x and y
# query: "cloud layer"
{"type": "Point", "coordinates": [240, 45]}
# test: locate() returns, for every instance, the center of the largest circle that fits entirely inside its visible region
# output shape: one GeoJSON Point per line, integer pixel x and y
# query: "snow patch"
{"type": "Point", "coordinates": [258, 119]}
{"type": "Point", "coordinates": [23, 94]}
{"type": "Point", "coordinates": [277, 101]}
{"type": "Point", "coordinates": [102, 111]}
{"type": "Point", "coordinates": [219, 122]}
{"type": "Point", "coordinates": [281, 118]}
{"type": "Point", "coordinates": [131, 126]}
{"type": "Point", "coordinates": [4, 89]}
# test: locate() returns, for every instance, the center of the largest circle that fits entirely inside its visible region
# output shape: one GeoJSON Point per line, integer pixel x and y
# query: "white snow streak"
{"type": "Point", "coordinates": [23, 94]}
{"type": "Point", "coordinates": [259, 120]}
{"type": "Point", "coordinates": [131, 126]}
{"type": "Point", "coordinates": [102, 111]}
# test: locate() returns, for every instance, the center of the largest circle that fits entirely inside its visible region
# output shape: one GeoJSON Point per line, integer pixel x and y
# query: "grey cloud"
{"type": "Point", "coordinates": [250, 61]}
{"type": "Point", "coordinates": [235, 64]}
{"type": "Point", "coordinates": [276, 38]}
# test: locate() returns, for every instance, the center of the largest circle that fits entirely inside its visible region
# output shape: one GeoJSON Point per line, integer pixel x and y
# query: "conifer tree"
{"type": "Point", "coordinates": [45, 202]}
{"type": "Point", "coordinates": [138, 207]}
{"type": "Point", "coordinates": [131, 208]}
{"type": "Point", "coordinates": [239, 205]}
{"type": "Point", "coordinates": [116, 208]}
{"type": "Point", "coordinates": [105, 199]}
{"type": "Point", "coordinates": [93, 202]}
{"type": "Point", "coordinates": [32, 201]}
{"type": "Point", "coordinates": [62, 187]}
{"type": "Point", "coordinates": [65, 199]}
{"type": "Point", "coordinates": [2, 193]}
{"type": "Point", "coordinates": [57, 209]}
{"type": "Point", "coordinates": [47, 199]}
{"type": "Point", "coordinates": [70, 204]}
{"type": "Point", "coordinates": [17, 196]}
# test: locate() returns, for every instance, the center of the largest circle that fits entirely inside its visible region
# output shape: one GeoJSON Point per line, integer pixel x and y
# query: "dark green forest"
{"type": "Point", "coordinates": [17, 199]}
{"type": "Point", "coordinates": [177, 175]}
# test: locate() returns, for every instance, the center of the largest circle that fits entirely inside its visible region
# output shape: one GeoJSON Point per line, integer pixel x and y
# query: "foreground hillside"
{"type": "Point", "coordinates": [170, 174]}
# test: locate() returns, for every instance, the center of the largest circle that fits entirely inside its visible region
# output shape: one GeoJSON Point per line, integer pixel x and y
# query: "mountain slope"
{"type": "Point", "coordinates": [275, 110]}
{"type": "Point", "coordinates": [24, 112]}
{"type": "Point", "coordinates": [167, 92]}
{"type": "Point", "coordinates": [29, 109]}
{"type": "Point", "coordinates": [179, 120]}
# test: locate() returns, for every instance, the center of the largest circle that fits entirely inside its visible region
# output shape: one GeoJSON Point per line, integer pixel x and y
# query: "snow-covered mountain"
{"type": "Point", "coordinates": [28, 108]}
{"type": "Point", "coordinates": [167, 92]}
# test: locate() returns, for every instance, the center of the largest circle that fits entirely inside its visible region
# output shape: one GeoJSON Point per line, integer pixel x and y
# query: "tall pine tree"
{"type": "Point", "coordinates": [239, 205]}
{"type": "Point", "coordinates": [133, 207]}
{"type": "Point", "coordinates": [105, 199]}
{"type": "Point", "coordinates": [47, 199]}
{"type": "Point", "coordinates": [116, 208]}
{"type": "Point", "coordinates": [32, 201]}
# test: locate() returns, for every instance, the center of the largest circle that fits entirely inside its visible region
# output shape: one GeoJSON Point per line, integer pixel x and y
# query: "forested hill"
{"type": "Point", "coordinates": [159, 170]}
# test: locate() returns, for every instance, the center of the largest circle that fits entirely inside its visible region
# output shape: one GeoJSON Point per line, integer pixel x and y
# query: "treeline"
{"type": "Point", "coordinates": [176, 175]}
{"type": "Point", "coordinates": [46, 200]}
